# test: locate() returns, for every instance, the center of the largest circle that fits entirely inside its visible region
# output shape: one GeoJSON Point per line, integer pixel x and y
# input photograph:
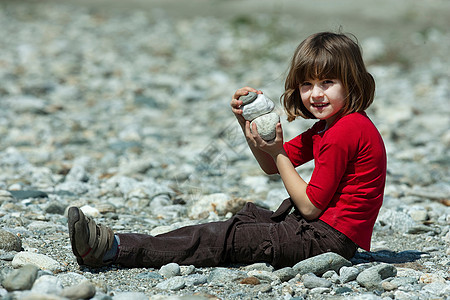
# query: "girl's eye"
{"type": "Point", "coordinates": [328, 82]}
{"type": "Point", "coordinates": [305, 83]}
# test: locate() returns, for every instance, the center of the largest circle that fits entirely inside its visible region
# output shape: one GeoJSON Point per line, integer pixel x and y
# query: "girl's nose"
{"type": "Point", "coordinates": [317, 92]}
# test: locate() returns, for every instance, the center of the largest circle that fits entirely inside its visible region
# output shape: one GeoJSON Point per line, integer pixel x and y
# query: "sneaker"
{"type": "Point", "coordinates": [89, 241]}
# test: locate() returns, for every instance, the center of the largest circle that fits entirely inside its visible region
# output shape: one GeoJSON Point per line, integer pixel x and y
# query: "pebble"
{"type": "Point", "coordinates": [170, 270]}
{"type": "Point", "coordinates": [43, 262]}
{"type": "Point", "coordinates": [140, 135]}
{"type": "Point", "coordinates": [285, 274]}
{"type": "Point", "coordinates": [347, 274]}
{"type": "Point", "coordinates": [83, 290]}
{"type": "Point", "coordinates": [47, 284]}
{"type": "Point", "coordinates": [321, 263]}
{"type": "Point", "coordinates": [9, 241]}
{"type": "Point", "coordinates": [311, 281]}
{"type": "Point", "coordinates": [371, 278]}
{"type": "Point", "coordinates": [21, 279]}
{"type": "Point", "coordinates": [172, 284]}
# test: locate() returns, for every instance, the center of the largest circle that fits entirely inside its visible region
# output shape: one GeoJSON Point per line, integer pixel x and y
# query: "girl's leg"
{"type": "Point", "coordinates": [252, 235]}
{"type": "Point", "coordinates": [209, 244]}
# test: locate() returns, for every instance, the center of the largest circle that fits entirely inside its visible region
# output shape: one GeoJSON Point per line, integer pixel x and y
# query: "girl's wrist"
{"type": "Point", "coordinates": [277, 153]}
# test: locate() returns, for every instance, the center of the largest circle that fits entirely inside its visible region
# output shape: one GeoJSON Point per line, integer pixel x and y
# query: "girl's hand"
{"type": "Point", "coordinates": [273, 148]}
{"type": "Point", "coordinates": [236, 103]}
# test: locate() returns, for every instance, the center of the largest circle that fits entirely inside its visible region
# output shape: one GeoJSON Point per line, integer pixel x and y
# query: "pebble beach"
{"type": "Point", "coordinates": [123, 110]}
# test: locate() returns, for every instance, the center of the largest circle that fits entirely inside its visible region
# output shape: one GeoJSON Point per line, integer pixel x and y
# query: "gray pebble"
{"type": "Point", "coordinates": [130, 295]}
{"type": "Point", "coordinates": [263, 288]}
{"type": "Point", "coordinates": [196, 279]}
{"type": "Point", "coordinates": [246, 99]}
{"type": "Point", "coordinates": [263, 275]}
{"type": "Point", "coordinates": [285, 274]}
{"type": "Point", "coordinates": [149, 276]}
{"type": "Point", "coordinates": [225, 275]}
{"type": "Point", "coordinates": [347, 274]}
{"type": "Point", "coordinates": [259, 266]}
{"type": "Point", "coordinates": [172, 284]}
{"type": "Point", "coordinates": [47, 284]}
{"type": "Point", "coordinates": [311, 281]}
{"type": "Point", "coordinates": [371, 278]}
{"type": "Point", "coordinates": [9, 241]}
{"type": "Point", "coordinates": [321, 263]}
{"type": "Point", "coordinates": [21, 279]}
{"type": "Point", "coordinates": [170, 270]}
{"type": "Point", "coordinates": [83, 290]}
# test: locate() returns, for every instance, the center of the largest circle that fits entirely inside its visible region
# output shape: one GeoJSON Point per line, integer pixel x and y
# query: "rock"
{"type": "Point", "coordinates": [218, 203]}
{"type": "Point", "coordinates": [371, 278]}
{"type": "Point", "coordinates": [260, 106]}
{"type": "Point", "coordinates": [285, 274]}
{"type": "Point", "coordinates": [260, 267]}
{"type": "Point", "coordinates": [388, 286]}
{"type": "Point", "coordinates": [321, 263]}
{"type": "Point", "coordinates": [170, 270]}
{"type": "Point", "coordinates": [47, 284]}
{"type": "Point", "coordinates": [5, 196]}
{"type": "Point", "coordinates": [20, 195]}
{"type": "Point", "coordinates": [311, 281]}
{"type": "Point", "coordinates": [39, 260]}
{"type": "Point", "coordinates": [225, 275]}
{"type": "Point", "coordinates": [9, 241]}
{"type": "Point", "coordinates": [397, 220]}
{"type": "Point", "coordinates": [250, 97]}
{"type": "Point", "coordinates": [437, 288]}
{"type": "Point", "coordinates": [250, 280]}
{"type": "Point", "coordinates": [187, 270]}
{"type": "Point", "coordinates": [263, 275]}
{"type": "Point", "coordinates": [172, 284]}
{"type": "Point", "coordinates": [149, 276]}
{"type": "Point", "coordinates": [263, 288]}
{"type": "Point", "coordinates": [196, 279]}
{"type": "Point", "coordinates": [70, 279]}
{"type": "Point", "coordinates": [347, 274]}
{"type": "Point", "coordinates": [266, 125]}
{"type": "Point", "coordinates": [21, 279]}
{"type": "Point", "coordinates": [130, 295]}
{"type": "Point", "coordinates": [90, 211]}
{"type": "Point", "coordinates": [83, 290]}
{"type": "Point", "coordinates": [430, 278]}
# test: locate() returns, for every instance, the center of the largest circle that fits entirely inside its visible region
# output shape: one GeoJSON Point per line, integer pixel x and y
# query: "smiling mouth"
{"type": "Point", "coordinates": [320, 105]}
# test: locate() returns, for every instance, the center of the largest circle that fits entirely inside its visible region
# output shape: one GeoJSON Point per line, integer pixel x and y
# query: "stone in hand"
{"type": "Point", "coordinates": [266, 125]}
{"type": "Point", "coordinates": [258, 107]}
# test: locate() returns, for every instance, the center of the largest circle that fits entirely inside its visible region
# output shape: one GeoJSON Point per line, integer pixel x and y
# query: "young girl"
{"type": "Point", "coordinates": [335, 211]}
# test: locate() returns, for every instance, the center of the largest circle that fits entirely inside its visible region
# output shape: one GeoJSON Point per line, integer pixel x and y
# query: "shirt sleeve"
{"type": "Point", "coordinates": [300, 149]}
{"type": "Point", "coordinates": [331, 161]}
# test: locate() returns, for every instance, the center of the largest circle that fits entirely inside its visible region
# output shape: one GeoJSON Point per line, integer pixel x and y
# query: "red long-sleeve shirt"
{"type": "Point", "coordinates": [349, 174]}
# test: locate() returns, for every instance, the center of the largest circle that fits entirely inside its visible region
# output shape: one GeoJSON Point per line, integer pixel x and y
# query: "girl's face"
{"type": "Point", "coordinates": [324, 98]}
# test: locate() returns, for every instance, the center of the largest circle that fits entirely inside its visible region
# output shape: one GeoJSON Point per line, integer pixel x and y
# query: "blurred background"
{"type": "Point", "coordinates": [146, 84]}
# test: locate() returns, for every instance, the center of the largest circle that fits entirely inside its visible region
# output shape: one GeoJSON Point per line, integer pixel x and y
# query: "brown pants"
{"type": "Point", "coordinates": [254, 234]}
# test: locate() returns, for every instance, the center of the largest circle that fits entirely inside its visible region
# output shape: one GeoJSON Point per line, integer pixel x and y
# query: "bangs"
{"type": "Point", "coordinates": [319, 65]}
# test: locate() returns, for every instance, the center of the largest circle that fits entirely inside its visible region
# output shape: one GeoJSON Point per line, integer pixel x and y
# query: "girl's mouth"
{"type": "Point", "coordinates": [320, 105]}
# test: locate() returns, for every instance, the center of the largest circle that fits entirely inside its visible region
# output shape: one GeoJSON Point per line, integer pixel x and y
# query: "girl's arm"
{"type": "Point", "coordinates": [293, 182]}
{"type": "Point", "coordinates": [264, 159]}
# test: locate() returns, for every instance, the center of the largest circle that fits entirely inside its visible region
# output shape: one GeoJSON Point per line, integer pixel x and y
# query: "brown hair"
{"type": "Point", "coordinates": [328, 55]}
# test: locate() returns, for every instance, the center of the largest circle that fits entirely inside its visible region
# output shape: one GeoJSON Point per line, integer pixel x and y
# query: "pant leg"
{"type": "Point", "coordinates": [209, 244]}
{"type": "Point", "coordinates": [252, 235]}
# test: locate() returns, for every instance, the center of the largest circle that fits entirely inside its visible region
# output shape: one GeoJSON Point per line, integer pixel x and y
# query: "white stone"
{"type": "Point", "coordinates": [218, 204]}
{"type": "Point", "coordinates": [39, 260]}
{"type": "Point", "coordinates": [47, 284]}
{"type": "Point", "coordinates": [90, 211]}
{"type": "Point", "coordinates": [260, 106]}
{"type": "Point", "coordinates": [266, 125]}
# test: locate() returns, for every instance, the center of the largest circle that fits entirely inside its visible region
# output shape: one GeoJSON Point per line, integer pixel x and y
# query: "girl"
{"type": "Point", "coordinates": [335, 211]}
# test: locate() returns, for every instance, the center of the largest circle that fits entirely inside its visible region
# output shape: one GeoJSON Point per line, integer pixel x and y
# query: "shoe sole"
{"type": "Point", "coordinates": [74, 217]}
